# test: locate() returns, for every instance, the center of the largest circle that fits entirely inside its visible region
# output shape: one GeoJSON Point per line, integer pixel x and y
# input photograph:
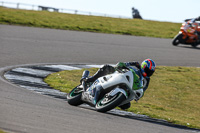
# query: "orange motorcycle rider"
{"type": "Point", "coordinates": [189, 33]}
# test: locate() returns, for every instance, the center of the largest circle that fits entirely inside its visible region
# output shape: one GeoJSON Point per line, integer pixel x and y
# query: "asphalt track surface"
{"type": "Point", "coordinates": [28, 112]}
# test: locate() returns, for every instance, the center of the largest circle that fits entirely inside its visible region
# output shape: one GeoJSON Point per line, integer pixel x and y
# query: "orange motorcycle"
{"type": "Point", "coordinates": [188, 34]}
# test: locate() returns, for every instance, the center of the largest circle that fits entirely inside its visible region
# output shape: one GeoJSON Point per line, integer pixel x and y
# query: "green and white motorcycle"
{"type": "Point", "coordinates": [109, 91]}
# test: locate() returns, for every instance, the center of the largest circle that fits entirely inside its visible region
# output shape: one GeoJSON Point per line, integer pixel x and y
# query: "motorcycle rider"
{"type": "Point", "coordinates": [146, 68]}
{"type": "Point", "coordinates": [198, 30]}
{"type": "Point", "coordinates": [193, 21]}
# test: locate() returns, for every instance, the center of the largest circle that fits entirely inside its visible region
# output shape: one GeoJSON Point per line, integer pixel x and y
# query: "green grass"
{"type": "Point", "coordinates": [173, 93]}
{"type": "Point", "coordinates": [98, 24]}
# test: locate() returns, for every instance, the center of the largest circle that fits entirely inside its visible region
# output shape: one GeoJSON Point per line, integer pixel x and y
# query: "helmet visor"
{"type": "Point", "coordinates": [149, 72]}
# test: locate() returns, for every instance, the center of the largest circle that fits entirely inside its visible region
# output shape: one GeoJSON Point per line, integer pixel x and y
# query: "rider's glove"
{"type": "Point", "coordinates": [134, 63]}
{"type": "Point", "coordinates": [137, 64]}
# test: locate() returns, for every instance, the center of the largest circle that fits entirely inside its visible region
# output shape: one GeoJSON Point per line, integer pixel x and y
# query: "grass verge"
{"type": "Point", "coordinates": [173, 94]}
{"type": "Point", "coordinates": [98, 24]}
{"type": "Point", "coordinates": [1, 131]}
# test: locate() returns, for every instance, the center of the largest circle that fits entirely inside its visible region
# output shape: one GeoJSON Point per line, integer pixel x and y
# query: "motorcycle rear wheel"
{"type": "Point", "coordinates": [74, 96]}
{"type": "Point", "coordinates": [194, 45]}
{"type": "Point", "coordinates": [107, 102]}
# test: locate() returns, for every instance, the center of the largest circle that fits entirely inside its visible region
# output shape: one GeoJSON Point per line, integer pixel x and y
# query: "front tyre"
{"type": "Point", "coordinates": [109, 102]}
{"type": "Point", "coordinates": [74, 96]}
{"type": "Point", "coordinates": [177, 39]}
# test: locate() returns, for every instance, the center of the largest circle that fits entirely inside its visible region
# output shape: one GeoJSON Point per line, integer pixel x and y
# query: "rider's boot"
{"type": "Point", "coordinates": [198, 41]}
{"type": "Point", "coordinates": [125, 106]}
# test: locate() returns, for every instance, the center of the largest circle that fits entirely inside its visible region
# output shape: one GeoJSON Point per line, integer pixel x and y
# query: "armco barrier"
{"type": "Point", "coordinates": [62, 10]}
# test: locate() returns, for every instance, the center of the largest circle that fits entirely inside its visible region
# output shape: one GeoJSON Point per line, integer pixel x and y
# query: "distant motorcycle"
{"type": "Point", "coordinates": [188, 34]}
{"type": "Point", "coordinates": [116, 90]}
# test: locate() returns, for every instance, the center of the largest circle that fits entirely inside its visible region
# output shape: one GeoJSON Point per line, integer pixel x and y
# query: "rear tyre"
{"type": "Point", "coordinates": [194, 45]}
{"type": "Point", "coordinates": [109, 102]}
{"type": "Point", "coordinates": [177, 39]}
{"type": "Point", "coordinates": [74, 96]}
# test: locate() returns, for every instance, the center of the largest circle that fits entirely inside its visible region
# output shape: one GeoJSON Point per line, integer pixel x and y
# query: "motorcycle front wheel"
{"type": "Point", "coordinates": [74, 96]}
{"type": "Point", "coordinates": [109, 102]}
{"type": "Point", "coordinates": [177, 39]}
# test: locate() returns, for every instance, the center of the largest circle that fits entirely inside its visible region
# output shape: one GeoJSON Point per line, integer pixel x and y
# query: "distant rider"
{"type": "Point", "coordinates": [146, 68]}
